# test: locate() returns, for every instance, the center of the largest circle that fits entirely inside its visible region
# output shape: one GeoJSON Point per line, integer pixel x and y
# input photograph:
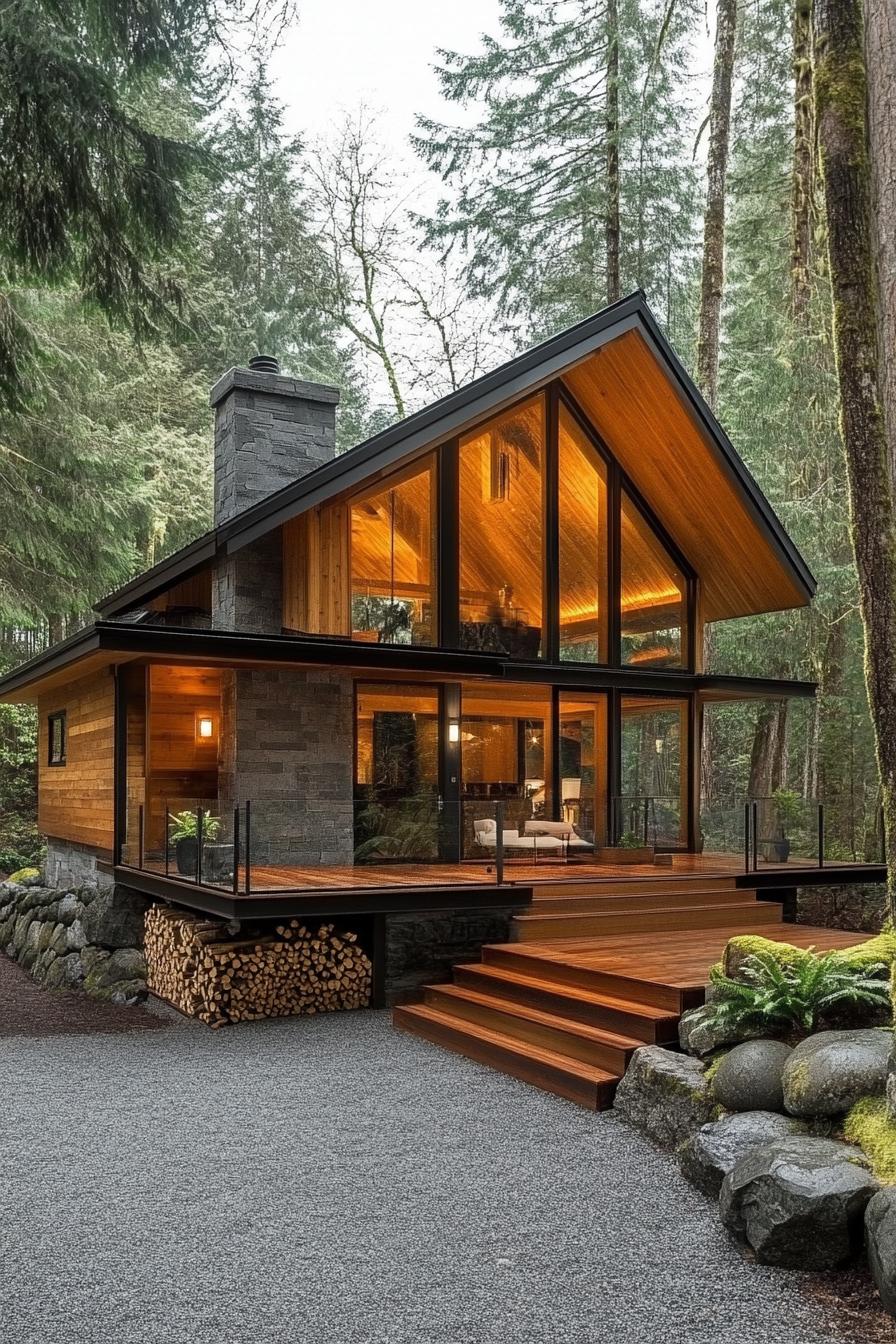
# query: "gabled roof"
{"type": "Point", "coordinates": [652, 417]}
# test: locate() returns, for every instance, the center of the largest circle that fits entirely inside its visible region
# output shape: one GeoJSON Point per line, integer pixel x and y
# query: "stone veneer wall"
{"type": "Point", "coordinates": [71, 865]}
{"type": "Point", "coordinates": [421, 948]}
{"type": "Point", "coordinates": [86, 938]}
{"type": "Point", "coordinates": [288, 743]}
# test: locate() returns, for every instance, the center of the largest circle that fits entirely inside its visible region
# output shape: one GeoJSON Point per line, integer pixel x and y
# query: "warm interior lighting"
{"type": "Point", "coordinates": [205, 727]}
{"type": "Point", "coordinates": [454, 731]}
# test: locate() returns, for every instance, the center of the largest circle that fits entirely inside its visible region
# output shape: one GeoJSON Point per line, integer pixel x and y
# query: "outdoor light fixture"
{"type": "Point", "coordinates": [454, 731]}
{"type": "Point", "coordinates": [205, 727]}
{"type": "Point", "coordinates": [660, 743]}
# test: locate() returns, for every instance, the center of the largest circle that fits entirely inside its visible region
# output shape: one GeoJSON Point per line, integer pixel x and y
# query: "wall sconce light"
{"type": "Point", "coordinates": [454, 732]}
{"type": "Point", "coordinates": [205, 727]}
{"type": "Point", "coordinates": [659, 743]}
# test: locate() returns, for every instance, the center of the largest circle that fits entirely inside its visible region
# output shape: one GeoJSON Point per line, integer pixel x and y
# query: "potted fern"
{"type": "Point", "coordinates": [787, 805]}
{"type": "Point", "coordinates": [183, 834]}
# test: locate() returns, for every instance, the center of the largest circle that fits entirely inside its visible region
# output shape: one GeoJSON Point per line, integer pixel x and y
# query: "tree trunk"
{"type": "Point", "coordinates": [612, 220]}
{"type": "Point", "coordinates": [768, 758]}
{"type": "Point", "coordinates": [712, 280]}
{"type": "Point", "coordinates": [803, 177]}
{"type": "Point", "coordinates": [840, 94]}
{"type": "Point", "coordinates": [880, 60]}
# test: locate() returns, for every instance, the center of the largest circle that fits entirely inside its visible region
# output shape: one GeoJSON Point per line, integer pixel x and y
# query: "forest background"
{"type": "Point", "coordinates": [590, 155]}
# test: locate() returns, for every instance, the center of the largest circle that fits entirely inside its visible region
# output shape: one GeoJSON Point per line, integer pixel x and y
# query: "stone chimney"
{"type": "Point", "coordinates": [269, 431]}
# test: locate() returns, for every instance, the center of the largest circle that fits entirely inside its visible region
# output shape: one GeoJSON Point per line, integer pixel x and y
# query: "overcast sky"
{"type": "Point", "coordinates": [342, 53]}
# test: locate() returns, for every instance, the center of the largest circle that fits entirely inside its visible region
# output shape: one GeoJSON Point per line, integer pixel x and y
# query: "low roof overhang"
{"type": "Point", "coordinates": [641, 400]}
{"type": "Point", "coordinates": [112, 642]}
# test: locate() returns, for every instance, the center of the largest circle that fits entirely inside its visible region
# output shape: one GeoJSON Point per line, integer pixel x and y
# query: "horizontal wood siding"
{"type": "Point", "coordinates": [76, 800]}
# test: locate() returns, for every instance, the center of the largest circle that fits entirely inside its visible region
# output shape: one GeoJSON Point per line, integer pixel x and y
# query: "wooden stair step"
{"type": "Point", "coordinates": [597, 980]}
{"type": "Point", "coordinates": [545, 928]}
{"type": "Point", "coordinates": [611, 902]}
{"type": "Point", "coordinates": [635, 886]}
{"type": "Point", "coordinates": [640, 1021]}
{"type": "Point", "coordinates": [582, 1083]}
{"type": "Point", "coordinates": [592, 1045]}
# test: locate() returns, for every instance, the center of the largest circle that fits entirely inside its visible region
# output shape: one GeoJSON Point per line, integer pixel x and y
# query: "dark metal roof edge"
{"type": "Point", "coordinates": [399, 439]}
{"type": "Point", "coordinates": [175, 567]}
{"type": "Point", "coordinates": [58, 655]}
{"type": "Point", "coordinates": [732, 459]}
{"type": "Point", "coordinates": [762, 687]}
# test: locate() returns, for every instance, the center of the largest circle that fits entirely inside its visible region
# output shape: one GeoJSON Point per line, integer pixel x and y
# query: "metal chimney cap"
{"type": "Point", "coordinates": [264, 364]}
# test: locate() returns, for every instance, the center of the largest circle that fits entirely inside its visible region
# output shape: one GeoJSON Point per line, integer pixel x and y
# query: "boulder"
{"type": "Point", "coordinates": [799, 1202]}
{"type": "Point", "coordinates": [119, 977]}
{"type": "Point", "coordinates": [664, 1095]}
{"type": "Point", "coordinates": [698, 1033]}
{"type": "Point", "coordinates": [708, 1156]}
{"type": "Point", "coordinates": [748, 1078]}
{"type": "Point", "coordinates": [58, 942]}
{"type": "Point", "coordinates": [91, 956]}
{"type": "Point", "coordinates": [828, 1072]}
{"type": "Point", "coordinates": [31, 946]}
{"type": "Point", "coordinates": [75, 937]}
{"type": "Point", "coordinates": [114, 917]}
{"type": "Point", "coordinates": [880, 1241]}
{"type": "Point", "coordinates": [20, 933]}
{"type": "Point", "coordinates": [70, 909]}
{"type": "Point", "coordinates": [65, 972]}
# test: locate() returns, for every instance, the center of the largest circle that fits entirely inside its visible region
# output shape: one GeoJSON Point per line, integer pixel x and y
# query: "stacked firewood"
{"type": "Point", "coordinates": [193, 964]}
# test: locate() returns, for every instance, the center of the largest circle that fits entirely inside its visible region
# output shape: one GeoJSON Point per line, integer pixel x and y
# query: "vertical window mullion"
{"type": "Point", "coordinates": [551, 493]}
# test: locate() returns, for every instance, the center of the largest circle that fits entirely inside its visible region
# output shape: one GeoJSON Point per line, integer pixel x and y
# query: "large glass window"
{"type": "Point", "coordinates": [654, 596]}
{"type": "Point", "coordinates": [505, 756]}
{"type": "Point", "coordinates": [583, 764]}
{"type": "Point", "coordinates": [583, 546]}
{"type": "Point", "coordinates": [502, 533]}
{"type": "Point", "coordinates": [653, 804]}
{"type": "Point", "coordinates": [396, 774]}
{"type": "Point", "coordinates": [392, 559]}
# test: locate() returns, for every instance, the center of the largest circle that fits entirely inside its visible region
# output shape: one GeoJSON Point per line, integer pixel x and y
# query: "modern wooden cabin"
{"type": "Point", "coordinates": [428, 682]}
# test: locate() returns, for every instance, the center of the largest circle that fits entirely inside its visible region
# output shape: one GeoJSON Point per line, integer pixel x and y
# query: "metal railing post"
{"type": "Point", "coordinates": [167, 837]}
{"type": "Point", "coordinates": [236, 850]}
{"type": "Point", "coordinates": [747, 840]}
{"type": "Point", "coordinates": [199, 823]}
{"type": "Point", "coordinates": [499, 843]}
{"type": "Point", "coordinates": [755, 828]}
{"type": "Point", "coordinates": [248, 844]}
{"type": "Point", "coordinates": [821, 835]}
{"type": "Point", "coordinates": [883, 838]}
{"type": "Point", "coordinates": [141, 837]}
{"type": "Point", "coordinates": [646, 818]}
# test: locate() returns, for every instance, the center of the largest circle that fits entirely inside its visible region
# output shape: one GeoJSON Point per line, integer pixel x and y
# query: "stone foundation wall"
{"type": "Point", "coordinates": [421, 948]}
{"type": "Point", "coordinates": [86, 938]}
{"type": "Point", "coordinates": [862, 907]}
{"type": "Point", "coordinates": [70, 865]}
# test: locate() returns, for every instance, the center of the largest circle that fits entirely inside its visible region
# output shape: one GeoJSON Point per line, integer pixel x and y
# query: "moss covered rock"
{"type": "Point", "coordinates": [665, 1095]}
{"type": "Point", "coordinates": [829, 1072]}
{"type": "Point", "coordinates": [870, 1127]}
{"type": "Point", "coordinates": [25, 876]}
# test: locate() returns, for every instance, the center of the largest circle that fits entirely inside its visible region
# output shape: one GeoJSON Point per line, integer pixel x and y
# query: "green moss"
{"type": "Point", "coordinates": [24, 875]}
{"type": "Point", "coordinates": [881, 948]}
{"type": "Point", "coordinates": [869, 1126]}
{"type": "Point", "coordinates": [713, 1068]}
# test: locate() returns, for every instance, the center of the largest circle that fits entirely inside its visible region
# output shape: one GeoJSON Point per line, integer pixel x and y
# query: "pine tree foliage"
{"type": "Point", "coordinates": [529, 197]}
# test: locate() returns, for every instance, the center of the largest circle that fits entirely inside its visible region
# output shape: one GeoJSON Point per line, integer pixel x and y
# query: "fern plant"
{"type": "Point", "coordinates": [779, 999]}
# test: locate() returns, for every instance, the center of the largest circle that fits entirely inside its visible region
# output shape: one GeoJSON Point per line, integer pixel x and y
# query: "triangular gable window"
{"type": "Point", "coordinates": [653, 617]}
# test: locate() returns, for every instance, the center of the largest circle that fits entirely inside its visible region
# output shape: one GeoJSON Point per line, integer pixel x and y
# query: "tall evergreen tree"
{"type": "Point", "coordinates": [576, 181]}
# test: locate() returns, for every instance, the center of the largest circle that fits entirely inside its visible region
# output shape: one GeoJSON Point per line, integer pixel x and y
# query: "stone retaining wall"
{"type": "Point", "coordinates": [87, 938]}
{"type": "Point", "coordinates": [421, 947]}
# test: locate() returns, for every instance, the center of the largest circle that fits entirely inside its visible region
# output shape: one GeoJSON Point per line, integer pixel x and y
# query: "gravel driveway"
{"type": "Point", "coordinates": [330, 1180]}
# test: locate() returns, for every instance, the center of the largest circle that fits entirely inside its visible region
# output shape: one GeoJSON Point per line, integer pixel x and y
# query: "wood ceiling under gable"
{"type": "Point", "coordinates": [640, 414]}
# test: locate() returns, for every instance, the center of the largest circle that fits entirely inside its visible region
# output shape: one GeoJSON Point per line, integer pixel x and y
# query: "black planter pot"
{"type": "Point", "coordinates": [781, 849]}
{"type": "Point", "coordinates": [186, 854]}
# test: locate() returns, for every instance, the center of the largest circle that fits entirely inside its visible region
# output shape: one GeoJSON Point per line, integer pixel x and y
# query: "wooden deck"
{"type": "Point", "coordinates": [567, 1013]}
{"type": "Point", "coordinates": [266, 878]}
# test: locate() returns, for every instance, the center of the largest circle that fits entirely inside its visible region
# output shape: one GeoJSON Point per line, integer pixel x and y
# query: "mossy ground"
{"type": "Point", "coordinates": [869, 1127]}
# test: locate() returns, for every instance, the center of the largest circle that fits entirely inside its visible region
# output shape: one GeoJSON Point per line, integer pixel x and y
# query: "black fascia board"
{"type": "Point", "coordinates": [59, 655]}
{"type": "Point", "coordinates": [173, 569]}
{"type": "Point", "coordinates": [757, 688]}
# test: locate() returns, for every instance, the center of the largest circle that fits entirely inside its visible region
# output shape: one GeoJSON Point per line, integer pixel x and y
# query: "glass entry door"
{"type": "Point", "coordinates": [653, 802]}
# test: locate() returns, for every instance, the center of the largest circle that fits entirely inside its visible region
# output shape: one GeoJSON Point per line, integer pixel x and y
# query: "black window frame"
{"type": "Point", "coordinates": [59, 716]}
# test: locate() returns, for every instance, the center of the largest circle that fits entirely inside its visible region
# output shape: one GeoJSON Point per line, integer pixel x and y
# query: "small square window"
{"type": "Point", "coordinates": [56, 738]}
